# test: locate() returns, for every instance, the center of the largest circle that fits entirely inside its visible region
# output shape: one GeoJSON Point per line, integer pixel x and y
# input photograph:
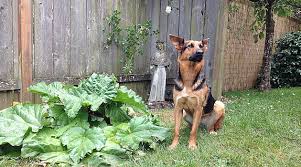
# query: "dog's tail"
{"type": "Point", "coordinates": [219, 106]}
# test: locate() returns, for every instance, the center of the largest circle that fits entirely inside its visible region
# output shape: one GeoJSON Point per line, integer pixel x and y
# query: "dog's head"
{"type": "Point", "coordinates": [190, 50]}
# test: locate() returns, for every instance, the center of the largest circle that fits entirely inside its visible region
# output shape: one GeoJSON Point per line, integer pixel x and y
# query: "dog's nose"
{"type": "Point", "coordinates": [199, 52]}
{"type": "Point", "coordinates": [198, 56]}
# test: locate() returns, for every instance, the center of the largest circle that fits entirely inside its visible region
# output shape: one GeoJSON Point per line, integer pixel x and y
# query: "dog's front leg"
{"type": "Point", "coordinates": [195, 125]}
{"type": "Point", "coordinates": [178, 113]}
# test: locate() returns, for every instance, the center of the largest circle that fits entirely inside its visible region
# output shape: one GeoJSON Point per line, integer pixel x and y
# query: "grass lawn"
{"type": "Point", "coordinates": [260, 129]}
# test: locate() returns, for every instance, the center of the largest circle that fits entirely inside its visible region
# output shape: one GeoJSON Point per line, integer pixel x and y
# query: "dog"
{"type": "Point", "coordinates": [191, 95]}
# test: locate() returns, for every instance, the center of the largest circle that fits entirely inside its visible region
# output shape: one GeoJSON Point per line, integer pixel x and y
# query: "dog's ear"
{"type": "Point", "coordinates": [205, 41]}
{"type": "Point", "coordinates": [177, 42]}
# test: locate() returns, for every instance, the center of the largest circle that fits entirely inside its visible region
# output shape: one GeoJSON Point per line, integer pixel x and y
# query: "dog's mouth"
{"type": "Point", "coordinates": [197, 57]}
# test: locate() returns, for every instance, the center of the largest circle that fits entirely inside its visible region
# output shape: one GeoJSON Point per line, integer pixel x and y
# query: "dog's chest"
{"type": "Point", "coordinates": [187, 100]}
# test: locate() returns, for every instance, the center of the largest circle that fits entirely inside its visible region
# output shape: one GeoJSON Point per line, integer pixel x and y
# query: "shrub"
{"type": "Point", "coordinates": [286, 62]}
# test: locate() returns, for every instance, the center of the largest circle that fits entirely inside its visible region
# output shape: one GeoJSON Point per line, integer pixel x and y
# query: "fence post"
{"type": "Point", "coordinates": [221, 30]}
{"type": "Point", "coordinates": [25, 47]}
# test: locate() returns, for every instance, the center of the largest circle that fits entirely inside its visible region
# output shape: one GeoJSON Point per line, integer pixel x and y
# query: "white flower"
{"type": "Point", "coordinates": [168, 9]}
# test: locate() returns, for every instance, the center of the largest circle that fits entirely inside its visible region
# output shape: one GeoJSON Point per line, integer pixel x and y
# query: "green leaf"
{"type": "Point", "coordinates": [127, 96]}
{"type": "Point", "coordinates": [102, 159]}
{"type": "Point", "coordinates": [42, 142]}
{"type": "Point", "coordinates": [116, 113]}
{"type": "Point", "coordinates": [55, 157]}
{"type": "Point", "coordinates": [48, 92]}
{"type": "Point", "coordinates": [101, 85]}
{"type": "Point", "coordinates": [261, 35]}
{"type": "Point", "coordinates": [16, 121]}
{"type": "Point", "coordinates": [140, 129]}
{"type": "Point", "coordinates": [59, 115]}
{"type": "Point", "coordinates": [111, 147]}
{"type": "Point", "coordinates": [80, 141]}
{"type": "Point", "coordinates": [81, 120]}
{"type": "Point", "coordinates": [71, 102]}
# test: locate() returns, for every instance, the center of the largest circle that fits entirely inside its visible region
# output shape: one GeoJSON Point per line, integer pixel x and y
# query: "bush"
{"type": "Point", "coordinates": [286, 62]}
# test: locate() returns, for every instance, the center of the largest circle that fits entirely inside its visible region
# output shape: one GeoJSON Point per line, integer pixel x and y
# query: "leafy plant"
{"type": "Point", "coordinates": [286, 63]}
{"type": "Point", "coordinates": [130, 39]}
{"type": "Point", "coordinates": [264, 26]}
{"type": "Point", "coordinates": [94, 123]}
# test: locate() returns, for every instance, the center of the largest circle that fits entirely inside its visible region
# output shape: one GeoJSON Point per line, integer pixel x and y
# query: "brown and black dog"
{"type": "Point", "coordinates": [191, 94]}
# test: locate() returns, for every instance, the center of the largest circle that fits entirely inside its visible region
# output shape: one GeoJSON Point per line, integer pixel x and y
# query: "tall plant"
{"type": "Point", "coordinates": [130, 39]}
{"type": "Point", "coordinates": [264, 26]}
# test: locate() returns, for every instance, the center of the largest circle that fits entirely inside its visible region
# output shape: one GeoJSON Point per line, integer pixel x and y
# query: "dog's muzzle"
{"type": "Point", "coordinates": [197, 57]}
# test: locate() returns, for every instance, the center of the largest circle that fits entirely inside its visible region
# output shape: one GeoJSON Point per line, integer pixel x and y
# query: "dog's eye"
{"type": "Point", "coordinates": [200, 45]}
{"type": "Point", "coordinates": [190, 46]}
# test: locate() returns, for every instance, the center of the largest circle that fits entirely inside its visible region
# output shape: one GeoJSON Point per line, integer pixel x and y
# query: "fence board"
{"type": "Point", "coordinates": [211, 24]}
{"type": "Point", "coordinates": [197, 19]}
{"type": "Point", "coordinates": [173, 28]}
{"type": "Point", "coordinates": [61, 38]}
{"type": "Point", "coordinates": [6, 42]}
{"type": "Point", "coordinates": [107, 53]}
{"type": "Point", "coordinates": [115, 53]}
{"type": "Point", "coordinates": [155, 18]}
{"type": "Point", "coordinates": [7, 98]}
{"type": "Point", "coordinates": [163, 21]}
{"type": "Point", "coordinates": [93, 35]}
{"type": "Point", "coordinates": [15, 44]}
{"type": "Point", "coordinates": [43, 38]}
{"type": "Point", "coordinates": [185, 18]}
{"type": "Point", "coordinates": [78, 38]}
{"type": "Point", "coordinates": [141, 16]}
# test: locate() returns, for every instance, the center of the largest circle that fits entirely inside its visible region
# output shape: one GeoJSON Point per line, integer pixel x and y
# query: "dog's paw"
{"type": "Point", "coordinates": [172, 146]}
{"type": "Point", "coordinates": [213, 133]}
{"type": "Point", "coordinates": [192, 146]}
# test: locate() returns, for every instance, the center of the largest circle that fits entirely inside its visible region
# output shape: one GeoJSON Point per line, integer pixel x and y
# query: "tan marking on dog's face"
{"type": "Point", "coordinates": [191, 47]}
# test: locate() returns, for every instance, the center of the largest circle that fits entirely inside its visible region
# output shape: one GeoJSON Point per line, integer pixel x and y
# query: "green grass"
{"type": "Point", "coordinates": [260, 129]}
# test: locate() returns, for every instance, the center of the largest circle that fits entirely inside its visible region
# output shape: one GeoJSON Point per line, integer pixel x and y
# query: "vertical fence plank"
{"type": "Point", "coordinates": [141, 62]}
{"type": "Point", "coordinates": [155, 18]}
{"type": "Point", "coordinates": [145, 59]}
{"type": "Point", "coordinates": [102, 26]}
{"type": "Point", "coordinates": [78, 38]}
{"type": "Point", "coordinates": [107, 54]}
{"type": "Point", "coordinates": [93, 35]}
{"type": "Point", "coordinates": [163, 21]}
{"type": "Point", "coordinates": [43, 38]}
{"type": "Point", "coordinates": [61, 38]}
{"type": "Point", "coordinates": [25, 36]}
{"type": "Point", "coordinates": [173, 28]}
{"type": "Point", "coordinates": [211, 25]}
{"type": "Point", "coordinates": [15, 42]}
{"type": "Point", "coordinates": [6, 41]}
{"type": "Point", "coordinates": [197, 19]}
{"type": "Point", "coordinates": [185, 18]}
{"type": "Point", "coordinates": [220, 43]}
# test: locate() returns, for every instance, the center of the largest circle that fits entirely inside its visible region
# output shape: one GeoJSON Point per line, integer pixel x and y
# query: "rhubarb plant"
{"type": "Point", "coordinates": [95, 123]}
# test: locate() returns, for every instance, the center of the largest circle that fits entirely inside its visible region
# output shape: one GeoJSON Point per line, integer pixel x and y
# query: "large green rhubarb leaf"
{"type": "Point", "coordinates": [42, 142]}
{"type": "Point", "coordinates": [81, 141]}
{"type": "Point", "coordinates": [140, 129]}
{"type": "Point", "coordinates": [102, 159]}
{"type": "Point", "coordinates": [45, 146]}
{"type": "Point", "coordinates": [16, 121]}
{"type": "Point", "coordinates": [55, 157]}
{"type": "Point", "coordinates": [49, 92]}
{"type": "Point", "coordinates": [116, 113]}
{"type": "Point", "coordinates": [127, 96]}
{"type": "Point", "coordinates": [101, 85]}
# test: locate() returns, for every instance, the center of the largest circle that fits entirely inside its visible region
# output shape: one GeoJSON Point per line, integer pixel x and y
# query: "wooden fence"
{"type": "Point", "coordinates": [66, 39]}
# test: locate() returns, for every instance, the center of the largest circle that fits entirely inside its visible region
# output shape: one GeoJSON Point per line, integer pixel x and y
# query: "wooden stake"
{"type": "Point", "coordinates": [25, 47]}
